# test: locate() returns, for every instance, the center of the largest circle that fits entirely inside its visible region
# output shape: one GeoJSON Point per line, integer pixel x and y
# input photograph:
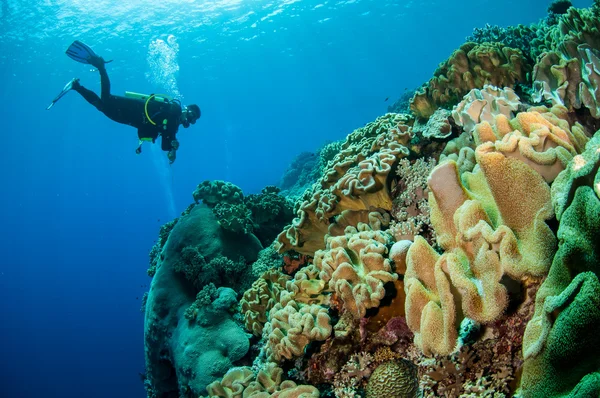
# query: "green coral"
{"type": "Point", "coordinates": [163, 235]}
{"type": "Point", "coordinates": [203, 299]}
{"type": "Point", "coordinates": [270, 212]}
{"type": "Point", "coordinates": [234, 217]}
{"type": "Point", "coordinates": [215, 192]}
{"type": "Point", "coordinates": [561, 344]}
{"type": "Point", "coordinates": [263, 214]}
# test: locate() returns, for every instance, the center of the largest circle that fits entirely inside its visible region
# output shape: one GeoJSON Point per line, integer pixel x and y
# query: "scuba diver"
{"type": "Point", "coordinates": [152, 115]}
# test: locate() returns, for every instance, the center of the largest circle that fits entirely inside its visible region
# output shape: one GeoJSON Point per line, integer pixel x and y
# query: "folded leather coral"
{"type": "Point", "coordinates": [241, 382]}
{"type": "Point", "coordinates": [471, 66]}
{"type": "Point", "coordinates": [356, 267]}
{"type": "Point", "coordinates": [356, 180]}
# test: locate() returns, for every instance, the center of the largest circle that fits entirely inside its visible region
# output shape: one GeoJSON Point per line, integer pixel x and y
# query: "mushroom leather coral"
{"type": "Point", "coordinates": [539, 138]}
{"type": "Point", "coordinates": [260, 298]}
{"type": "Point", "coordinates": [487, 231]}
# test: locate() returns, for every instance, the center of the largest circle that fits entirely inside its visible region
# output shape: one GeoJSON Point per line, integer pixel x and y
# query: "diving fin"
{"type": "Point", "coordinates": [81, 52]}
{"type": "Point", "coordinates": [68, 87]}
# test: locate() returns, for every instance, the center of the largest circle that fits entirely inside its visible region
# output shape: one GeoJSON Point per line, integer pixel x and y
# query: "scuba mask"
{"type": "Point", "coordinates": [189, 117]}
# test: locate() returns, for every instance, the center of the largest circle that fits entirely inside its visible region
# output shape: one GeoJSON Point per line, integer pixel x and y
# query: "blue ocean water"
{"type": "Point", "coordinates": [80, 210]}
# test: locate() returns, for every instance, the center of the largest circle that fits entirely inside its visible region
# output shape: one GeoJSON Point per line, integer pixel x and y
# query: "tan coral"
{"type": "Point", "coordinates": [487, 231]}
{"type": "Point", "coordinates": [539, 138]}
{"type": "Point", "coordinates": [356, 180]}
{"type": "Point", "coordinates": [306, 287]}
{"type": "Point", "coordinates": [356, 267]}
{"type": "Point", "coordinates": [241, 383]}
{"type": "Point", "coordinates": [292, 327]}
{"type": "Point", "coordinates": [260, 298]}
{"type": "Point", "coordinates": [483, 105]}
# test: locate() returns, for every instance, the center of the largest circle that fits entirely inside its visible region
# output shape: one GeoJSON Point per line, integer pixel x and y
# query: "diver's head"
{"type": "Point", "coordinates": [190, 114]}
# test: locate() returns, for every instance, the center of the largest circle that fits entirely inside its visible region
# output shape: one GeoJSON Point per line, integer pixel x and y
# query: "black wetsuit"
{"type": "Point", "coordinates": [132, 112]}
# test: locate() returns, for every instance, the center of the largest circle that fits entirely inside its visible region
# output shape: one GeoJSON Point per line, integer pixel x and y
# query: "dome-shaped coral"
{"type": "Point", "coordinates": [396, 379]}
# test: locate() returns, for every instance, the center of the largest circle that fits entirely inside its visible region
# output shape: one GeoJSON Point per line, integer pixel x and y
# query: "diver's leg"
{"type": "Point", "coordinates": [88, 95]}
{"type": "Point", "coordinates": [104, 83]}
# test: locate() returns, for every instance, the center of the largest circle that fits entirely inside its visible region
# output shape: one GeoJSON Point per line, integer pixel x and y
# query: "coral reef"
{"type": "Point", "coordinates": [452, 251]}
{"type": "Point", "coordinates": [171, 338]}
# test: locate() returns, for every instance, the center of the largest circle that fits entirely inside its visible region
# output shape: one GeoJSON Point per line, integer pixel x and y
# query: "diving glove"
{"type": "Point", "coordinates": [172, 155]}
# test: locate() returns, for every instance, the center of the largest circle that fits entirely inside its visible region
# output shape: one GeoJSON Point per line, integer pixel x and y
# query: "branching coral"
{"type": "Point", "coordinates": [353, 374]}
{"type": "Point", "coordinates": [156, 250]}
{"type": "Point", "coordinates": [411, 209]}
{"type": "Point", "coordinates": [215, 192]}
{"type": "Point", "coordinates": [204, 297]}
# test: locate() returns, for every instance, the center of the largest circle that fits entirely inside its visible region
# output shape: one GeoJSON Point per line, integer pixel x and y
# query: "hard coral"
{"type": "Point", "coordinates": [396, 378]}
